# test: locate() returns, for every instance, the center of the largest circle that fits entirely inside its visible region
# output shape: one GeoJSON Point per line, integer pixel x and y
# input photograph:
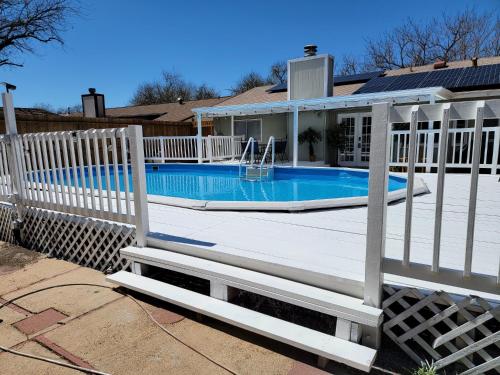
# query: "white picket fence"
{"type": "Point", "coordinates": [214, 148]}
{"type": "Point", "coordinates": [459, 152]}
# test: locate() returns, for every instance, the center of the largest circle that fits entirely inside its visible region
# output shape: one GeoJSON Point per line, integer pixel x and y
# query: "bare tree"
{"type": "Point", "coordinates": [450, 37]}
{"type": "Point", "coordinates": [25, 23]}
{"type": "Point", "coordinates": [247, 82]}
{"type": "Point", "coordinates": [167, 90]}
{"type": "Point", "coordinates": [205, 92]}
{"type": "Point", "coordinates": [278, 72]}
{"type": "Point", "coordinates": [350, 65]}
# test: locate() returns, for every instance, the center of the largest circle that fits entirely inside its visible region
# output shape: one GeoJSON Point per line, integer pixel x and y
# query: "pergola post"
{"type": "Point", "coordinates": [233, 148]}
{"type": "Point", "coordinates": [295, 135]}
{"type": "Point", "coordinates": [199, 139]}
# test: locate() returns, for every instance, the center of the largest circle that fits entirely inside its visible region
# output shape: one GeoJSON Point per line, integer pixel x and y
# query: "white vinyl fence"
{"type": "Point", "coordinates": [94, 173]}
{"type": "Point", "coordinates": [163, 149]}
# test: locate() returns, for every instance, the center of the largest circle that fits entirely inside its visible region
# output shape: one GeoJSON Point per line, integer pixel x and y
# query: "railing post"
{"type": "Point", "coordinates": [162, 151]}
{"type": "Point", "coordinates": [198, 138]}
{"type": "Point", "coordinates": [496, 151]}
{"type": "Point", "coordinates": [139, 184]}
{"type": "Point", "coordinates": [429, 158]}
{"type": "Point", "coordinates": [377, 213]}
{"type": "Point", "coordinates": [15, 154]}
{"type": "Point", "coordinates": [233, 146]}
{"type": "Point", "coordinates": [209, 149]}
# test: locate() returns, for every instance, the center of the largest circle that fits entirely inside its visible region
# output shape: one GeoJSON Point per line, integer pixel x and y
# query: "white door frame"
{"type": "Point", "coordinates": [358, 124]}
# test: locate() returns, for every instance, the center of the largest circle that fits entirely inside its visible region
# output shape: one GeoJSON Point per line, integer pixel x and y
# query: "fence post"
{"type": "Point", "coordinates": [209, 149]}
{"type": "Point", "coordinates": [14, 157]}
{"type": "Point", "coordinates": [198, 138]}
{"type": "Point", "coordinates": [139, 184]}
{"type": "Point", "coordinates": [377, 213]}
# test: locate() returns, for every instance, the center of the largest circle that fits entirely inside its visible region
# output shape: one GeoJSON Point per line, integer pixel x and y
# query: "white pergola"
{"type": "Point", "coordinates": [424, 95]}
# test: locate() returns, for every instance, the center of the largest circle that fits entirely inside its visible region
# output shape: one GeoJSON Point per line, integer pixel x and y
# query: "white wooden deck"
{"type": "Point", "coordinates": [327, 248]}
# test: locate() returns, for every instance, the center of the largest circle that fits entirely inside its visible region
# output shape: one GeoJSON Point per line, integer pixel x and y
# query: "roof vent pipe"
{"type": "Point", "coordinates": [180, 100]}
{"type": "Point", "coordinates": [474, 61]}
{"type": "Point", "coordinates": [310, 50]}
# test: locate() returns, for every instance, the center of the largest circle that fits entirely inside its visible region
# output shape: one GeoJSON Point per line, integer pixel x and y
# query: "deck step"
{"type": "Point", "coordinates": [324, 345]}
{"type": "Point", "coordinates": [296, 293]}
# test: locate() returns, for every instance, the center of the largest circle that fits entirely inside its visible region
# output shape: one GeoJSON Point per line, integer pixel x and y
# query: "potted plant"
{"type": "Point", "coordinates": [336, 139]}
{"type": "Point", "coordinates": [311, 137]}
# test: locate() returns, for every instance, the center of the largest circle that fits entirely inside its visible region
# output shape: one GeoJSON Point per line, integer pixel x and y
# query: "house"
{"type": "Point", "coordinates": [328, 103]}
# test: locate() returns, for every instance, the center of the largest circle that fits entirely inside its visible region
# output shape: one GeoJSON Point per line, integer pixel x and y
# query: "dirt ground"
{"type": "Point", "coordinates": [102, 329]}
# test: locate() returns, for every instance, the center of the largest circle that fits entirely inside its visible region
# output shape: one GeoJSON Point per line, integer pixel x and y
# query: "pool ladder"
{"type": "Point", "coordinates": [255, 172]}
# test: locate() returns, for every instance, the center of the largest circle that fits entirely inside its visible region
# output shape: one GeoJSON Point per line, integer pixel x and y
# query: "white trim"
{"type": "Point", "coordinates": [332, 102]}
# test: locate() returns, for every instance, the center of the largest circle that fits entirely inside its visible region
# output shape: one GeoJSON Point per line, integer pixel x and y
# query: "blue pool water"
{"type": "Point", "coordinates": [222, 183]}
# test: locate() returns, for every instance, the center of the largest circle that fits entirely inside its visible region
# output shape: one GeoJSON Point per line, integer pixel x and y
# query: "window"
{"type": "Point", "coordinates": [248, 128]}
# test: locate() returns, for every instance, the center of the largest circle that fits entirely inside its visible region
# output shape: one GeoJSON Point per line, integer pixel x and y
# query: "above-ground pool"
{"type": "Point", "coordinates": [219, 187]}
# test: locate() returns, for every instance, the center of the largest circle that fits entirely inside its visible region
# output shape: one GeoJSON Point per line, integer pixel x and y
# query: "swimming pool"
{"type": "Point", "coordinates": [220, 187]}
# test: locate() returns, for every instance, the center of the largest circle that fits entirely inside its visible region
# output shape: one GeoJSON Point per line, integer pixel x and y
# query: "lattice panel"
{"type": "Point", "coordinates": [6, 217]}
{"type": "Point", "coordinates": [87, 242]}
{"type": "Point", "coordinates": [459, 334]}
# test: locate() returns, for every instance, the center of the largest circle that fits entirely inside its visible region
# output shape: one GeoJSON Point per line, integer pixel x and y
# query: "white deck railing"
{"type": "Point", "coordinates": [449, 151]}
{"type": "Point", "coordinates": [459, 149]}
{"type": "Point", "coordinates": [163, 149]}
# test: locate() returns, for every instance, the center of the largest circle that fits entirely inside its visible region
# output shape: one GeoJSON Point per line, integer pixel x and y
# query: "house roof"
{"type": "Point", "coordinates": [348, 85]}
{"type": "Point", "coordinates": [164, 112]}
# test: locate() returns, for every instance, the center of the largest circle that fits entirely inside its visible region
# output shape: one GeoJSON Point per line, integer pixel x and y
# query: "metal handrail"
{"type": "Point", "coordinates": [270, 142]}
{"type": "Point", "coordinates": [243, 156]}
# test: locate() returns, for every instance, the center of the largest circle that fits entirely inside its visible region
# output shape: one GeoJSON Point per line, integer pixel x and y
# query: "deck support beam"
{"type": "Point", "coordinates": [199, 134]}
{"type": "Point", "coordinates": [221, 291]}
{"type": "Point", "coordinates": [295, 135]}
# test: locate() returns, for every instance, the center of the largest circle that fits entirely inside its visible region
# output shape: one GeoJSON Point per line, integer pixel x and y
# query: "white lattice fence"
{"type": "Point", "coordinates": [88, 242]}
{"type": "Point", "coordinates": [460, 335]}
{"type": "Point", "coordinates": [6, 218]}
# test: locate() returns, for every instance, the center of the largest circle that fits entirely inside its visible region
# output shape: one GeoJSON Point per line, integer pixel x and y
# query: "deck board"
{"type": "Point", "coordinates": [333, 242]}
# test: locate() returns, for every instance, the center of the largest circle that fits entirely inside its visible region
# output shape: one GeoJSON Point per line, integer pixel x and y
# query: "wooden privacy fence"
{"type": "Point", "coordinates": [162, 149]}
{"type": "Point", "coordinates": [28, 123]}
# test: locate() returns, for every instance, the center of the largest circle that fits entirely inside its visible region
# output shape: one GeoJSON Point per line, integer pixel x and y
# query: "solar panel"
{"type": "Point", "coordinates": [407, 82]}
{"type": "Point", "coordinates": [376, 85]}
{"type": "Point", "coordinates": [446, 78]}
{"type": "Point", "coordinates": [486, 75]}
{"type": "Point", "coordinates": [356, 78]}
{"type": "Point", "coordinates": [454, 79]}
{"type": "Point", "coordinates": [279, 87]}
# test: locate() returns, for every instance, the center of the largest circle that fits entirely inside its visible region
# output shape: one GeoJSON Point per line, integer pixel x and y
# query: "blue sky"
{"type": "Point", "coordinates": [116, 45]}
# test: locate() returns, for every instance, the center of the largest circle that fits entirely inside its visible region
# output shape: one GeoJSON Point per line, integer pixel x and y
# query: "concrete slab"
{"type": "Point", "coordinates": [9, 335]}
{"type": "Point", "coordinates": [14, 365]}
{"type": "Point", "coordinates": [43, 269]}
{"type": "Point", "coordinates": [239, 355]}
{"type": "Point", "coordinates": [119, 338]}
{"type": "Point", "coordinates": [72, 301]}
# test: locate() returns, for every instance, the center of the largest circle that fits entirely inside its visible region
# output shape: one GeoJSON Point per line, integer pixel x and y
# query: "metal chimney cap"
{"type": "Point", "coordinates": [92, 90]}
{"type": "Point", "coordinates": [310, 50]}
